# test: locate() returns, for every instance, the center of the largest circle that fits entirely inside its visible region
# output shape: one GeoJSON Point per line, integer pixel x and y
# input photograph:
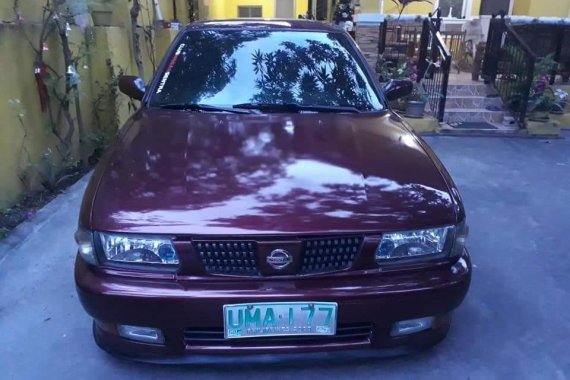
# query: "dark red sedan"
{"type": "Point", "coordinates": [265, 199]}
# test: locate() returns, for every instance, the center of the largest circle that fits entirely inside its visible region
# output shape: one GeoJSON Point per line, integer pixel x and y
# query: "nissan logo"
{"type": "Point", "coordinates": [279, 259]}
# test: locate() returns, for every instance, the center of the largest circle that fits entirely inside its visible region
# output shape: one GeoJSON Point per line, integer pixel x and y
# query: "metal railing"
{"type": "Point", "coordinates": [455, 41]}
{"type": "Point", "coordinates": [434, 65]}
{"type": "Point", "coordinates": [547, 40]}
{"type": "Point", "coordinates": [398, 41]}
{"type": "Point", "coordinates": [423, 44]}
{"type": "Point", "coordinates": [509, 65]}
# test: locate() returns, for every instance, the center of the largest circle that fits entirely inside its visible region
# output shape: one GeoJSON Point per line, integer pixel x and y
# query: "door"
{"type": "Point", "coordinates": [489, 7]}
{"type": "Point", "coordinates": [285, 8]}
{"type": "Point", "coordinates": [322, 10]}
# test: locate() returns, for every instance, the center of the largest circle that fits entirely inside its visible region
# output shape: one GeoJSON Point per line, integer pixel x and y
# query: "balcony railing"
{"type": "Point", "coordinates": [552, 39]}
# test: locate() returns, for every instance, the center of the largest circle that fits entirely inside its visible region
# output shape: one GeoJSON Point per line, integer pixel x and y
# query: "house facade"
{"type": "Point", "coordinates": [221, 9]}
{"type": "Point", "coordinates": [322, 9]}
{"type": "Point", "coordinates": [457, 9]}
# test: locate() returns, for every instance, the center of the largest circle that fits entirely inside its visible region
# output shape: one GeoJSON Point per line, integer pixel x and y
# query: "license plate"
{"type": "Point", "coordinates": [279, 318]}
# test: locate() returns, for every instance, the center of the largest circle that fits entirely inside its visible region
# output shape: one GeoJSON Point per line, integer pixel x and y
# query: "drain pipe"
{"type": "Point", "coordinates": [157, 12]}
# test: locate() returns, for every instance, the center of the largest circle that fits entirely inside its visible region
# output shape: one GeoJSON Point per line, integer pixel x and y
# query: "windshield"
{"type": "Point", "coordinates": [232, 67]}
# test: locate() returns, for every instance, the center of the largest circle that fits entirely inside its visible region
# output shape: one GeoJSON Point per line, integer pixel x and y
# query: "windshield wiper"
{"type": "Point", "coordinates": [203, 107]}
{"type": "Point", "coordinates": [296, 108]}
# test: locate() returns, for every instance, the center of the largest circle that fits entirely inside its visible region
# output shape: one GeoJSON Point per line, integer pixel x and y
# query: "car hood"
{"type": "Point", "coordinates": [176, 172]}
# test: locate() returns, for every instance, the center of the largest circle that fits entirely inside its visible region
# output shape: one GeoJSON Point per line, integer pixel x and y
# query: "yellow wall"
{"type": "Point", "coordinates": [557, 8]}
{"type": "Point", "coordinates": [373, 6]}
{"type": "Point", "coordinates": [25, 136]}
{"type": "Point", "coordinates": [221, 9]}
{"type": "Point", "coordinates": [216, 9]}
{"type": "Point", "coordinates": [476, 7]}
{"type": "Point", "coordinates": [521, 7]}
{"type": "Point", "coordinates": [19, 105]}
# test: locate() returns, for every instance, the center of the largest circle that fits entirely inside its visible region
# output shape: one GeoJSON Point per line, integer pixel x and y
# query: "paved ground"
{"type": "Point", "coordinates": [514, 323]}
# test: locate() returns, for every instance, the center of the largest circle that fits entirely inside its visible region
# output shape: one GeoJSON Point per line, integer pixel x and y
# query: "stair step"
{"type": "Point", "coordinates": [468, 89]}
{"type": "Point", "coordinates": [472, 101]}
{"type": "Point", "coordinates": [500, 131]}
{"type": "Point", "coordinates": [472, 114]}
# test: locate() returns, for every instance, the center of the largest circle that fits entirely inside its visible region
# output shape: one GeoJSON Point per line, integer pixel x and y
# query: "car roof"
{"type": "Point", "coordinates": [263, 23]}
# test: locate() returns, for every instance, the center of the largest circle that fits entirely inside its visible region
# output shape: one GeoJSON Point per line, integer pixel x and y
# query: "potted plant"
{"type": "Point", "coordinates": [385, 69]}
{"type": "Point", "coordinates": [416, 102]}
{"type": "Point", "coordinates": [541, 100]}
{"type": "Point", "coordinates": [406, 70]}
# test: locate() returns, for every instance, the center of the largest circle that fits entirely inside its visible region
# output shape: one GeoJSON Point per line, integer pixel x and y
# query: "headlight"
{"type": "Point", "coordinates": [138, 249]}
{"type": "Point", "coordinates": [412, 244]}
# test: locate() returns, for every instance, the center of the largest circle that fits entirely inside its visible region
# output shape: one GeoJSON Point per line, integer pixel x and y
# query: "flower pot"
{"type": "Point", "coordinates": [102, 17]}
{"type": "Point", "coordinates": [558, 108]}
{"type": "Point", "coordinates": [415, 108]}
{"type": "Point", "coordinates": [539, 116]}
{"type": "Point", "coordinates": [543, 128]}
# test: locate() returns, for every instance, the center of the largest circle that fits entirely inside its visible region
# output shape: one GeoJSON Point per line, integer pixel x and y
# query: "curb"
{"type": "Point", "coordinates": [43, 216]}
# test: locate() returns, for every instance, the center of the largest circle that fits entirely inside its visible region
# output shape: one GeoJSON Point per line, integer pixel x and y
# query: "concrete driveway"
{"type": "Point", "coordinates": [514, 323]}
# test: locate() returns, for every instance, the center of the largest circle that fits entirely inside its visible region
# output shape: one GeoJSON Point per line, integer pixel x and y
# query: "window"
{"type": "Point", "coordinates": [495, 6]}
{"type": "Point", "coordinates": [228, 67]}
{"type": "Point", "coordinates": [254, 11]}
{"type": "Point", "coordinates": [452, 8]}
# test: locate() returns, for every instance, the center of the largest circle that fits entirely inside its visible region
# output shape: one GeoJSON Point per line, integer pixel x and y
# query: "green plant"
{"type": "Point", "coordinates": [58, 89]}
{"type": "Point", "coordinates": [540, 104]}
{"type": "Point", "coordinates": [544, 66]}
{"type": "Point", "coordinates": [418, 94]}
{"type": "Point", "coordinates": [542, 96]}
{"type": "Point", "coordinates": [63, 86]}
{"type": "Point", "coordinates": [386, 69]}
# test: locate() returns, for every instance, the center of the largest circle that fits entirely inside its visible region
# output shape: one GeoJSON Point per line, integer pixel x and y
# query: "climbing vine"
{"type": "Point", "coordinates": [57, 90]}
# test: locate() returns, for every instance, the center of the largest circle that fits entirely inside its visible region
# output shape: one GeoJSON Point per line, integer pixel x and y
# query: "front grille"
{"type": "Point", "coordinates": [329, 254]}
{"type": "Point", "coordinates": [215, 337]}
{"type": "Point", "coordinates": [228, 257]}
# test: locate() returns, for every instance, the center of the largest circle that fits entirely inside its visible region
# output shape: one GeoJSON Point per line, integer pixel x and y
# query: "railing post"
{"type": "Point", "coordinates": [424, 42]}
{"type": "Point", "coordinates": [435, 19]}
{"type": "Point", "coordinates": [557, 53]}
{"type": "Point", "coordinates": [382, 32]}
{"type": "Point", "coordinates": [528, 86]}
{"type": "Point", "coordinates": [492, 48]}
{"type": "Point", "coordinates": [446, 68]}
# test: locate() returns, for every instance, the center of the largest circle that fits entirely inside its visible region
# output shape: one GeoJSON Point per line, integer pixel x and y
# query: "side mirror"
{"type": "Point", "coordinates": [132, 86]}
{"type": "Point", "coordinates": [398, 88]}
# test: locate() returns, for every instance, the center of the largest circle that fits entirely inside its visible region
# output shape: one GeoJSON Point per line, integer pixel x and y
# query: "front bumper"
{"type": "Point", "coordinates": [376, 299]}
